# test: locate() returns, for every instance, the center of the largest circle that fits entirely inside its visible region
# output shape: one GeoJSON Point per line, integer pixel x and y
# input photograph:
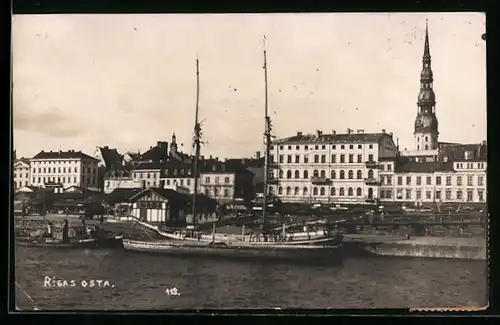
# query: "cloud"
{"type": "Point", "coordinates": [53, 124]}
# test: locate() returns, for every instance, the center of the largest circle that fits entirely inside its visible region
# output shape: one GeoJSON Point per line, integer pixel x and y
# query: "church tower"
{"type": "Point", "coordinates": [173, 144]}
{"type": "Point", "coordinates": [426, 124]}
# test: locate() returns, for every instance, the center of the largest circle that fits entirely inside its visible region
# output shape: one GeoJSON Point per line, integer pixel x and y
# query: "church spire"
{"type": "Point", "coordinates": [426, 124]}
{"type": "Point", "coordinates": [427, 53]}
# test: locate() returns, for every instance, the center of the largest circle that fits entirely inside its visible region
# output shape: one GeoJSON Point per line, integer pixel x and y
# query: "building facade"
{"type": "Point", "coordinates": [329, 168]}
{"type": "Point", "coordinates": [22, 173]}
{"type": "Point", "coordinates": [65, 168]}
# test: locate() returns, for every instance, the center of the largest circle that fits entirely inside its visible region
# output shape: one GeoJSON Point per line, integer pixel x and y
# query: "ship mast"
{"type": "Point", "coordinates": [196, 140]}
{"type": "Point", "coordinates": [267, 142]}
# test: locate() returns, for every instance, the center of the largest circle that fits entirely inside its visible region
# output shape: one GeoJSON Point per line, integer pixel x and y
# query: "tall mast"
{"type": "Point", "coordinates": [267, 141]}
{"type": "Point", "coordinates": [197, 141]}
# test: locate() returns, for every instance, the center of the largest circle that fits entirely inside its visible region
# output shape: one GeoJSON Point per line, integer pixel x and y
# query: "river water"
{"type": "Point", "coordinates": [140, 282]}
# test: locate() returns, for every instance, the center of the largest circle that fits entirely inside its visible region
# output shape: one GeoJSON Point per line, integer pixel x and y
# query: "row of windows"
{"type": "Point", "coordinates": [321, 159]}
{"type": "Point", "coordinates": [448, 194]}
{"type": "Point", "coordinates": [149, 205]}
{"type": "Point", "coordinates": [21, 175]}
{"type": "Point", "coordinates": [324, 147]}
{"type": "Point", "coordinates": [60, 179]}
{"type": "Point", "coordinates": [227, 180]}
{"type": "Point", "coordinates": [22, 169]}
{"type": "Point", "coordinates": [322, 174]}
{"type": "Point", "coordinates": [321, 191]}
{"type": "Point", "coordinates": [470, 165]}
{"type": "Point", "coordinates": [48, 170]}
{"type": "Point", "coordinates": [216, 192]}
{"type": "Point", "coordinates": [438, 180]}
{"type": "Point", "coordinates": [20, 184]}
{"type": "Point", "coordinates": [56, 162]}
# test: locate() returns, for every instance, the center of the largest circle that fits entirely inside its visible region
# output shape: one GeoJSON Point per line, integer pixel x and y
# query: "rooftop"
{"type": "Point", "coordinates": [71, 154]}
{"type": "Point", "coordinates": [319, 137]}
{"type": "Point", "coordinates": [463, 152]}
{"type": "Point", "coordinates": [110, 156]}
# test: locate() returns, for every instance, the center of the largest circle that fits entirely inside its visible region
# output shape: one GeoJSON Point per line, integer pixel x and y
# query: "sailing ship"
{"type": "Point", "coordinates": [277, 242]}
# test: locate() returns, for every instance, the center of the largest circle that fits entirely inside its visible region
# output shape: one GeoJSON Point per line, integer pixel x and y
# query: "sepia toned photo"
{"type": "Point", "coordinates": [249, 161]}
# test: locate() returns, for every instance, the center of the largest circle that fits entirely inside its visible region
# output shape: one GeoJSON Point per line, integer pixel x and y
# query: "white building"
{"type": "Point", "coordinates": [67, 168]}
{"type": "Point", "coordinates": [329, 168]}
{"type": "Point", "coordinates": [22, 173]}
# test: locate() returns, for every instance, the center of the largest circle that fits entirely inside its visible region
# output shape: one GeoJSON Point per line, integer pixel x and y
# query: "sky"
{"type": "Point", "coordinates": [128, 81]}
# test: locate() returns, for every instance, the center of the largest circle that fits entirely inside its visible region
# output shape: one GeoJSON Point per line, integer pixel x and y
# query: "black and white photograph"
{"type": "Point", "coordinates": [249, 161]}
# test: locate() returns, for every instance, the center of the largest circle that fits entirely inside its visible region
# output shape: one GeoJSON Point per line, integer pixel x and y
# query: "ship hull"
{"type": "Point", "coordinates": [278, 253]}
{"type": "Point", "coordinates": [111, 242]}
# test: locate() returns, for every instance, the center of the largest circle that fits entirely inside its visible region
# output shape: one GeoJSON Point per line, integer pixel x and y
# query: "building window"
{"type": "Point", "coordinates": [280, 174]}
{"type": "Point", "coordinates": [315, 173]}
{"type": "Point", "coordinates": [428, 180]}
{"type": "Point", "coordinates": [382, 179]}
{"type": "Point", "coordinates": [408, 180]}
{"type": "Point", "coordinates": [470, 180]}
{"type": "Point", "coordinates": [323, 159]}
{"type": "Point", "coordinates": [297, 159]}
{"type": "Point", "coordinates": [419, 194]}
{"type": "Point", "coordinates": [370, 146]}
{"type": "Point", "coordinates": [350, 192]}
{"type": "Point", "coordinates": [459, 180]}
{"type": "Point", "coordinates": [480, 181]}
{"type": "Point", "coordinates": [480, 195]}
{"type": "Point", "coordinates": [370, 157]}
{"type": "Point", "coordinates": [469, 195]}
{"type": "Point", "coordinates": [389, 167]}
{"type": "Point", "coordinates": [334, 147]}
{"type": "Point", "coordinates": [360, 158]}
{"type": "Point", "coordinates": [226, 180]}
{"type": "Point", "coordinates": [351, 159]}
{"type": "Point", "coordinates": [226, 192]}
{"type": "Point", "coordinates": [280, 190]}
{"type": "Point", "coordinates": [271, 158]}
{"type": "Point", "coordinates": [359, 191]}
{"type": "Point", "coordinates": [322, 191]}
{"type": "Point", "coordinates": [333, 174]}
{"type": "Point", "coordinates": [399, 194]}
{"type": "Point", "coordinates": [207, 192]}
{"type": "Point", "coordinates": [350, 174]}
{"type": "Point", "coordinates": [382, 194]}
{"type": "Point", "coordinates": [306, 147]}
{"type": "Point", "coordinates": [419, 180]}
{"type": "Point", "coordinates": [342, 159]}
{"type": "Point", "coordinates": [316, 147]}
{"type": "Point", "coordinates": [315, 191]}
{"type": "Point", "coordinates": [296, 191]}
{"type": "Point", "coordinates": [438, 195]}
{"type": "Point", "coordinates": [289, 174]}
{"type": "Point", "coordinates": [207, 179]}
{"type": "Point", "coordinates": [217, 179]}
{"type": "Point", "coordinates": [281, 158]}
{"type": "Point", "coordinates": [459, 195]}
{"type": "Point", "coordinates": [342, 146]}
{"type": "Point", "coordinates": [388, 194]}
{"type": "Point", "coordinates": [447, 195]}
{"type": "Point", "coordinates": [342, 174]}
{"type": "Point", "coordinates": [306, 174]}
{"type": "Point", "coordinates": [332, 191]}
{"type": "Point", "coordinates": [316, 159]}
{"type": "Point", "coordinates": [400, 180]}
{"type": "Point", "coordinates": [359, 174]}
{"type": "Point", "coordinates": [306, 159]}
{"type": "Point", "coordinates": [389, 180]}
{"type": "Point", "coordinates": [408, 194]}
{"type": "Point", "coordinates": [334, 159]}
{"type": "Point", "coordinates": [428, 195]}
{"type": "Point", "coordinates": [323, 174]}
{"type": "Point", "coordinates": [438, 180]}
{"type": "Point", "coordinates": [305, 191]}
{"type": "Point", "coordinates": [341, 191]}
{"type": "Point", "coordinates": [448, 180]}
{"type": "Point", "coordinates": [289, 159]}
{"type": "Point", "coordinates": [297, 174]}
{"type": "Point", "coordinates": [288, 191]}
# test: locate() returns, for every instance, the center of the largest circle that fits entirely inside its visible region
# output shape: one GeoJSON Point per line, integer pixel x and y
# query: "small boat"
{"type": "Point", "coordinates": [103, 242]}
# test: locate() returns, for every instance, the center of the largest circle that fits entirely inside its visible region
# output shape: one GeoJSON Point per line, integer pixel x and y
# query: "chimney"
{"type": "Point", "coordinates": [299, 134]}
{"type": "Point", "coordinates": [361, 131]}
{"type": "Point", "coordinates": [243, 161]}
{"type": "Point", "coordinates": [257, 155]}
{"type": "Point", "coordinates": [211, 157]}
{"type": "Point", "coordinates": [217, 159]}
{"type": "Point", "coordinates": [383, 130]}
{"type": "Point", "coordinates": [202, 157]}
{"type": "Point", "coordinates": [334, 132]}
{"type": "Point", "coordinates": [319, 133]}
{"type": "Point", "coordinates": [349, 131]}
{"type": "Point", "coordinates": [106, 147]}
{"type": "Point", "coordinates": [213, 167]}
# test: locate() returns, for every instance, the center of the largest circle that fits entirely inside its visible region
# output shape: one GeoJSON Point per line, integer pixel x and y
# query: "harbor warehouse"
{"type": "Point", "coordinates": [163, 205]}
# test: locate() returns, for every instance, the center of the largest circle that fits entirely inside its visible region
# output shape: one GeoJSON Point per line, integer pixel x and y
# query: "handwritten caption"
{"type": "Point", "coordinates": [53, 282]}
{"type": "Point", "coordinates": [172, 291]}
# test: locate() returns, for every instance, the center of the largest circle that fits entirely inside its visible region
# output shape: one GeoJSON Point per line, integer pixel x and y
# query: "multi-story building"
{"type": "Point", "coordinates": [434, 171]}
{"type": "Point", "coordinates": [329, 168]}
{"type": "Point", "coordinates": [22, 173]}
{"type": "Point", "coordinates": [67, 168]}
